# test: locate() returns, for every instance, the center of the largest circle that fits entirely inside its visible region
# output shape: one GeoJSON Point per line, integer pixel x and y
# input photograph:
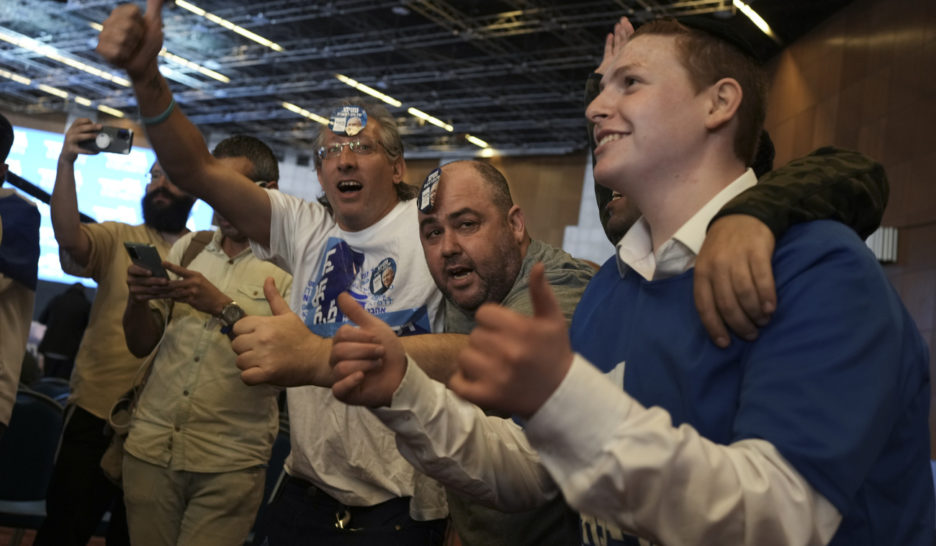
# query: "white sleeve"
{"type": "Point", "coordinates": [629, 467]}
{"type": "Point", "coordinates": [294, 223]}
{"type": "Point", "coordinates": [483, 457]}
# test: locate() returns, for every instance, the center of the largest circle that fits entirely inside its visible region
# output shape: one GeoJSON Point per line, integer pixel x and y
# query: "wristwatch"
{"type": "Point", "coordinates": [230, 314]}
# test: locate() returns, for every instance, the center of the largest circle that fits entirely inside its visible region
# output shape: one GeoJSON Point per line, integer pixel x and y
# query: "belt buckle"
{"type": "Point", "coordinates": [342, 521]}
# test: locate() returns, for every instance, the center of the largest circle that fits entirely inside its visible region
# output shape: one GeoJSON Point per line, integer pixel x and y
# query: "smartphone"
{"type": "Point", "coordinates": [146, 255]}
{"type": "Point", "coordinates": [115, 140]}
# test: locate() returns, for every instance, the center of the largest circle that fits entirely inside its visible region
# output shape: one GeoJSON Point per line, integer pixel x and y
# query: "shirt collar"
{"type": "Point", "coordinates": [635, 249]}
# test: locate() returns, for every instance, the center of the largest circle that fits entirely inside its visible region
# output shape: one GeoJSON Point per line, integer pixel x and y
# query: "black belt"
{"type": "Point", "coordinates": [352, 517]}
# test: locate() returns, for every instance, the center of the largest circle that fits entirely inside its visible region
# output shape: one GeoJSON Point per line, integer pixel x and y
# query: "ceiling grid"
{"type": "Point", "coordinates": [510, 72]}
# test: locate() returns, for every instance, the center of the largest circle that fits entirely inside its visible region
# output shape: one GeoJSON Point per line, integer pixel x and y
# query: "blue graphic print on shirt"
{"type": "Point", "coordinates": [336, 275]}
{"type": "Point", "coordinates": [342, 270]}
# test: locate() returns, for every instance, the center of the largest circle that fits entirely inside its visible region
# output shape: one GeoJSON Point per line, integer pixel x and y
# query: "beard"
{"type": "Point", "coordinates": [169, 218]}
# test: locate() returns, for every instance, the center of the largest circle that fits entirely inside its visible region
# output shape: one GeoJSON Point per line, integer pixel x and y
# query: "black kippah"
{"type": "Point", "coordinates": [720, 30]}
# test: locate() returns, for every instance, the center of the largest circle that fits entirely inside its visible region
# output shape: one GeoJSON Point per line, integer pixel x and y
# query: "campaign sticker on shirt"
{"type": "Point", "coordinates": [382, 276]}
{"type": "Point", "coordinates": [348, 120]}
{"type": "Point", "coordinates": [425, 201]}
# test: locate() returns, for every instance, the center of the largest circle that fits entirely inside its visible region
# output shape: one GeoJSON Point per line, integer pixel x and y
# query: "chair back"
{"type": "Point", "coordinates": [27, 448]}
{"type": "Point", "coordinates": [56, 388]}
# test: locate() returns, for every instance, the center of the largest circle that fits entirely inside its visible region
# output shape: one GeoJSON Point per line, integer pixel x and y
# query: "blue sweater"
{"type": "Point", "coordinates": [838, 381]}
{"type": "Point", "coordinates": [19, 250]}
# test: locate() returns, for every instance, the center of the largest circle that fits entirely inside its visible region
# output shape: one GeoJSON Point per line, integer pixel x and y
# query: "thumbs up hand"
{"type": "Point", "coordinates": [280, 349]}
{"type": "Point", "coordinates": [368, 361]}
{"type": "Point", "coordinates": [130, 39]}
{"type": "Point", "coordinates": [513, 363]}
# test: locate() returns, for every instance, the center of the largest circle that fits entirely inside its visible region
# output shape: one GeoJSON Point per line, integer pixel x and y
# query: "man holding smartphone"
{"type": "Point", "coordinates": [79, 493]}
{"type": "Point", "coordinates": [194, 463]}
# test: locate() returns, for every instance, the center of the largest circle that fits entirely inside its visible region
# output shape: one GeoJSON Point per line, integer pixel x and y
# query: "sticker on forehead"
{"type": "Point", "coordinates": [348, 120]}
{"type": "Point", "coordinates": [425, 201]}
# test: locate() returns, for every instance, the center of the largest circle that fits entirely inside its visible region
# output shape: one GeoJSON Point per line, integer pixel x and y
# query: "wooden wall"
{"type": "Point", "coordinates": [866, 80]}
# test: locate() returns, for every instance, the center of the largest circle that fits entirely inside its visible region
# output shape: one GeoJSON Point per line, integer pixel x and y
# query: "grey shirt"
{"type": "Point", "coordinates": [566, 275]}
{"type": "Point", "coordinates": [554, 523]}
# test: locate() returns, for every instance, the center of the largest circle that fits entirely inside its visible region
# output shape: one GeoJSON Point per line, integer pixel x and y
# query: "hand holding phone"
{"type": "Point", "coordinates": [146, 256]}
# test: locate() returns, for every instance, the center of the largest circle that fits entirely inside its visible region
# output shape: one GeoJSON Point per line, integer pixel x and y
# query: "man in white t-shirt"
{"type": "Point", "coordinates": [346, 481]}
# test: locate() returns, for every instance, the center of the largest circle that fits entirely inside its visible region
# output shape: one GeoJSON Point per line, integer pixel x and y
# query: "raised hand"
{"type": "Point", "coordinates": [513, 363]}
{"type": "Point", "coordinates": [368, 361]}
{"type": "Point", "coordinates": [130, 39]}
{"type": "Point", "coordinates": [82, 129]}
{"type": "Point", "coordinates": [280, 349]}
{"type": "Point", "coordinates": [733, 280]}
{"type": "Point", "coordinates": [614, 42]}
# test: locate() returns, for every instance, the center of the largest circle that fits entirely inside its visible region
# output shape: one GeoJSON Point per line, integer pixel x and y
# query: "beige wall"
{"type": "Point", "coordinates": [866, 79]}
{"type": "Point", "coordinates": [547, 188]}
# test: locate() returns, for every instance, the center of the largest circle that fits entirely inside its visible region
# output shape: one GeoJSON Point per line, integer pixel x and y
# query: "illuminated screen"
{"type": "Point", "coordinates": [109, 186]}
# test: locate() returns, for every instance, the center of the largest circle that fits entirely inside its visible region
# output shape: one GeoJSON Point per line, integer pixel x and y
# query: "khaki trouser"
{"type": "Point", "coordinates": [170, 507]}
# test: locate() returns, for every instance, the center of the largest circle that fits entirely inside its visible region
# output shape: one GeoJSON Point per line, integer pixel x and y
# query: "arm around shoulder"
{"type": "Point", "coordinates": [830, 183]}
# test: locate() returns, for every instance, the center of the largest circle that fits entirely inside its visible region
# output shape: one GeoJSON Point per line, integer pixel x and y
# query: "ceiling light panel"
{"type": "Point", "coordinates": [222, 22]}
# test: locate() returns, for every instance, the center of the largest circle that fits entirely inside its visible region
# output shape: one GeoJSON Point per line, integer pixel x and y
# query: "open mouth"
{"type": "Point", "coordinates": [459, 272]}
{"type": "Point", "coordinates": [349, 186]}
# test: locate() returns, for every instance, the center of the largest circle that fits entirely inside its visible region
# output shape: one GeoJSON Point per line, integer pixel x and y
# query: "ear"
{"type": "Point", "coordinates": [399, 170]}
{"type": "Point", "coordinates": [517, 223]}
{"type": "Point", "coordinates": [724, 99]}
{"type": "Point", "coordinates": [272, 185]}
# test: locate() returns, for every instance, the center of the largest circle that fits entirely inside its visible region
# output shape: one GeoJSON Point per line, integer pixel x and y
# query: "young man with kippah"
{"type": "Point", "coordinates": [815, 432]}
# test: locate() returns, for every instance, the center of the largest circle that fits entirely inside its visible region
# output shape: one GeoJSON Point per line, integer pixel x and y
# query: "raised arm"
{"type": "Point", "coordinates": [66, 220]}
{"type": "Point", "coordinates": [131, 40]}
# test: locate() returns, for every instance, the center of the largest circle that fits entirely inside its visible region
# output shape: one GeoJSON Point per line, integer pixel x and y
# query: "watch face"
{"type": "Point", "coordinates": [232, 313]}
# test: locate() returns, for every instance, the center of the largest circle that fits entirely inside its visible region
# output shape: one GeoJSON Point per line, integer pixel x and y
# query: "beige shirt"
{"type": "Point", "coordinates": [16, 308]}
{"type": "Point", "coordinates": [195, 413]}
{"type": "Point", "coordinates": [104, 368]}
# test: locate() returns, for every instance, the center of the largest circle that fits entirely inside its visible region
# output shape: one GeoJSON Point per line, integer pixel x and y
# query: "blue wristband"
{"type": "Point", "coordinates": [161, 117]}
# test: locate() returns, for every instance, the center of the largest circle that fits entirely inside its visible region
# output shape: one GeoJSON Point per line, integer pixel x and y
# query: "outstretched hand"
{"type": "Point", "coordinates": [368, 360]}
{"type": "Point", "coordinates": [280, 349]}
{"type": "Point", "coordinates": [734, 284]}
{"type": "Point", "coordinates": [513, 363]}
{"type": "Point", "coordinates": [132, 40]}
{"type": "Point", "coordinates": [614, 42]}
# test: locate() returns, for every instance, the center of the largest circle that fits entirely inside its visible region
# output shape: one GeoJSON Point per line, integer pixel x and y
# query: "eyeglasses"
{"type": "Point", "coordinates": [334, 150]}
{"type": "Point", "coordinates": [153, 175]}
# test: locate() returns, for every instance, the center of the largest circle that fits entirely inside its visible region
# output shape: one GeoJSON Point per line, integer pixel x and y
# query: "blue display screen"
{"type": "Point", "coordinates": [109, 186]}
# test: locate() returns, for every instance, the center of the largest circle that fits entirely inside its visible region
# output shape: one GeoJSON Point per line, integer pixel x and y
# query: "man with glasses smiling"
{"type": "Point", "coordinates": [79, 493]}
{"type": "Point", "coordinates": [342, 485]}
{"type": "Point", "coordinates": [347, 483]}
